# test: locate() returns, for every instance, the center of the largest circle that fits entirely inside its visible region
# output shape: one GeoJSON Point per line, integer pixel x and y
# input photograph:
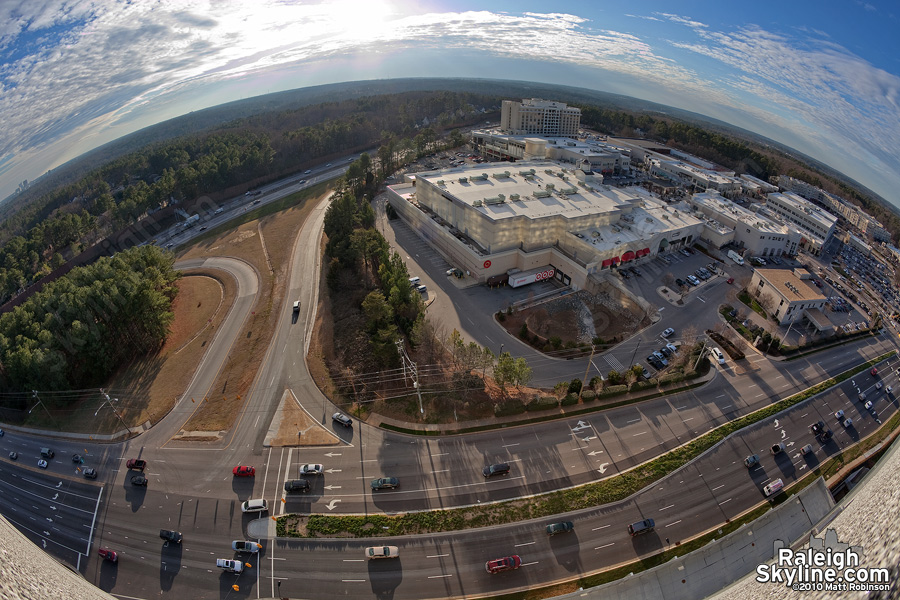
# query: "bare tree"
{"type": "Point", "coordinates": [668, 280]}
{"type": "Point", "coordinates": [767, 301]}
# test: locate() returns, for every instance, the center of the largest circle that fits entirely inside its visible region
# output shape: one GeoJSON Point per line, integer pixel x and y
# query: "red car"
{"type": "Point", "coordinates": [136, 464]}
{"type": "Point", "coordinates": [730, 280]}
{"type": "Point", "coordinates": [244, 471]}
{"type": "Point", "coordinates": [107, 554]}
{"type": "Point", "coordinates": [507, 563]}
{"type": "Point", "coordinates": [873, 372]}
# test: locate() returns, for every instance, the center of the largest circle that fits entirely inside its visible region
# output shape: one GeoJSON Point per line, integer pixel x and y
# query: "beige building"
{"type": "Point", "coordinates": [753, 233]}
{"type": "Point", "coordinates": [488, 219]}
{"type": "Point", "coordinates": [539, 117]}
{"type": "Point", "coordinates": [818, 225]}
{"type": "Point", "coordinates": [792, 297]}
{"type": "Point", "coordinates": [603, 158]}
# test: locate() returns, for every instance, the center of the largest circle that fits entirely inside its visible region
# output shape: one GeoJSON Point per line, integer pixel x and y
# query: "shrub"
{"type": "Point", "coordinates": [508, 408]}
{"type": "Point", "coordinates": [613, 390]}
{"type": "Point", "coordinates": [637, 386]}
{"type": "Point", "coordinates": [588, 396]}
{"type": "Point", "coordinates": [541, 403]}
{"type": "Point", "coordinates": [571, 344]}
{"type": "Point", "coordinates": [574, 386]}
{"type": "Point", "coordinates": [523, 332]}
{"type": "Point", "coordinates": [596, 383]}
{"type": "Point", "coordinates": [569, 400]}
{"type": "Point", "coordinates": [672, 378]}
{"type": "Point", "coordinates": [556, 341]}
{"type": "Point", "coordinates": [501, 317]}
{"type": "Point", "coordinates": [597, 341]}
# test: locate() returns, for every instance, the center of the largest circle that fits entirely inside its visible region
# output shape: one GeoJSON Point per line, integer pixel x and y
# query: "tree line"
{"type": "Point", "coordinates": [80, 328]}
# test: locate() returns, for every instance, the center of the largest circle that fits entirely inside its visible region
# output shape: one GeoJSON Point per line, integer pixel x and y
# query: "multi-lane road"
{"type": "Point", "coordinates": [191, 488]}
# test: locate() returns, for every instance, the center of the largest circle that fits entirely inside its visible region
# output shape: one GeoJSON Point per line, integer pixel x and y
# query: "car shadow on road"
{"type": "Point", "coordinates": [109, 573]}
{"type": "Point", "coordinates": [385, 576]}
{"type": "Point", "coordinates": [169, 565]}
{"type": "Point", "coordinates": [565, 549]}
{"type": "Point", "coordinates": [135, 494]}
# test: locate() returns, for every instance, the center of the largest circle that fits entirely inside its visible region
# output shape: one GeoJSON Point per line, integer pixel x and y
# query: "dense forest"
{"type": "Point", "coordinates": [77, 330]}
{"type": "Point", "coordinates": [243, 152]}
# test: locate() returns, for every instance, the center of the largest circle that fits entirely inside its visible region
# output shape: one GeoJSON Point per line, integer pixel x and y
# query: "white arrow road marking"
{"type": "Point", "coordinates": [49, 519]}
{"type": "Point", "coordinates": [55, 496]}
{"type": "Point", "coordinates": [332, 487]}
{"type": "Point", "coordinates": [333, 504]}
{"type": "Point", "coordinates": [52, 508]}
{"type": "Point", "coordinates": [333, 470]}
{"type": "Point", "coordinates": [333, 454]}
{"type": "Point", "coordinates": [44, 542]}
{"type": "Point", "coordinates": [776, 423]}
{"type": "Point", "coordinates": [783, 434]}
{"type": "Point", "coordinates": [589, 438]}
{"type": "Point", "coordinates": [602, 468]}
{"type": "Point", "coordinates": [59, 485]}
{"type": "Point", "coordinates": [581, 425]}
{"type": "Point", "coordinates": [595, 452]}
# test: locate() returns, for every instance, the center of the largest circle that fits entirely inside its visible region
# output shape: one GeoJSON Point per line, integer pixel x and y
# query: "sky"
{"type": "Point", "coordinates": [822, 77]}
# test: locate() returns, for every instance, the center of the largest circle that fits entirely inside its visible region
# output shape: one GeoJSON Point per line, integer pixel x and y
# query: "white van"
{"type": "Point", "coordinates": [719, 356]}
{"type": "Point", "coordinates": [414, 281]}
{"type": "Point", "coordinates": [773, 488]}
{"type": "Point", "coordinates": [736, 257]}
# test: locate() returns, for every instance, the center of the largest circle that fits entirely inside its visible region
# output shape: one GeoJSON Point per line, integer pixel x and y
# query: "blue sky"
{"type": "Point", "coordinates": [822, 77]}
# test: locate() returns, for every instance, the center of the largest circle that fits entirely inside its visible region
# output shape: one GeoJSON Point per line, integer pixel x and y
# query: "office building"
{"type": "Point", "coordinates": [539, 117]}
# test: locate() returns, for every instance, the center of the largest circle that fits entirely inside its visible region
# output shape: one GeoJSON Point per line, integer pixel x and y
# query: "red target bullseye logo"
{"type": "Point", "coordinates": [487, 264]}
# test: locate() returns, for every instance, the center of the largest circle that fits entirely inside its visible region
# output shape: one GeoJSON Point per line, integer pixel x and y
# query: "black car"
{"type": "Point", "coordinates": [385, 483]}
{"type": "Point", "coordinates": [666, 351]}
{"type": "Point", "coordinates": [496, 469]}
{"type": "Point", "coordinates": [825, 435]}
{"type": "Point", "coordinates": [296, 485]}
{"type": "Point", "coordinates": [170, 536]}
{"type": "Point", "coordinates": [138, 480]}
{"type": "Point", "coordinates": [561, 527]}
{"type": "Point", "coordinates": [90, 473]}
{"type": "Point", "coordinates": [817, 428]}
{"type": "Point", "coordinates": [645, 526]}
{"type": "Point", "coordinates": [635, 272]}
{"type": "Point", "coordinates": [654, 362]}
{"type": "Point", "coordinates": [680, 282]}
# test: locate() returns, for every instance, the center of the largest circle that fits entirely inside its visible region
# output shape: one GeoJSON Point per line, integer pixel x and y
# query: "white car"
{"type": "Point", "coordinates": [244, 546]}
{"type": "Point", "coordinates": [668, 332]}
{"type": "Point", "coordinates": [232, 566]}
{"type": "Point", "coordinates": [42, 463]}
{"type": "Point", "coordinates": [719, 356]}
{"type": "Point", "coordinates": [255, 505]}
{"type": "Point", "coordinates": [311, 469]}
{"type": "Point", "coordinates": [382, 552]}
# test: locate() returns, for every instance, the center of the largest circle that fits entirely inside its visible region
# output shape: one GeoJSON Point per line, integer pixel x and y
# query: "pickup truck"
{"type": "Point", "coordinates": [136, 463]}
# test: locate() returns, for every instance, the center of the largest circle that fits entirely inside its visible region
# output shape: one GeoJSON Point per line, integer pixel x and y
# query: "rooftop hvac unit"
{"type": "Point", "coordinates": [526, 172]}
{"type": "Point", "coordinates": [550, 187]}
{"type": "Point", "coordinates": [477, 203]}
{"type": "Point", "coordinates": [540, 194]}
{"type": "Point", "coordinates": [595, 233]}
{"type": "Point", "coordinates": [440, 182]}
{"type": "Point", "coordinates": [482, 177]}
{"type": "Point", "coordinates": [499, 199]}
{"type": "Point", "coordinates": [503, 175]}
{"type": "Point", "coordinates": [514, 197]}
{"type": "Point", "coordinates": [464, 180]}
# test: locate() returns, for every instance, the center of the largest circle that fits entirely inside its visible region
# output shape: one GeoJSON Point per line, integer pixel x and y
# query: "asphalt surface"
{"type": "Point", "coordinates": [191, 488]}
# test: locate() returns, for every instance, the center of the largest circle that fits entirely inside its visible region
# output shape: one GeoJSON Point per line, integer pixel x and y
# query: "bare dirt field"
{"type": "Point", "coordinates": [578, 318]}
{"type": "Point", "coordinates": [295, 427]}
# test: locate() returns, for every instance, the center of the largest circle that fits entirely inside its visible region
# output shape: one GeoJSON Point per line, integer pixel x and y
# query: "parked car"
{"type": "Point", "coordinates": [139, 480]}
{"type": "Point", "coordinates": [107, 554]}
{"type": "Point", "coordinates": [342, 419]}
{"type": "Point", "coordinates": [659, 356]}
{"type": "Point", "coordinates": [507, 563]}
{"type": "Point", "coordinates": [561, 527]}
{"type": "Point", "coordinates": [668, 332]}
{"type": "Point", "coordinates": [751, 461]}
{"type": "Point", "coordinates": [654, 362]}
{"type": "Point", "coordinates": [245, 546]}
{"type": "Point", "coordinates": [666, 351]}
{"type": "Point", "coordinates": [374, 552]}
{"type": "Point", "coordinates": [730, 280]}
{"type": "Point", "coordinates": [89, 473]}
{"type": "Point", "coordinates": [311, 469]}
{"type": "Point", "coordinates": [641, 527]}
{"type": "Point", "coordinates": [384, 483]}
{"type": "Point", "coordinates": [717, 354]}
{"type": "Point", "coordinates": [243, 471]}
{"type": "Point", "coordinates": [296, 485]}
{"type": "Point", "coordinates": [171, 536]}
{"type": "Point", "coordinates": [680, 282]}
{"type": "Point", "coordinates": [136, 464]}
{"type": "Point", "coordinates": [693, 280]}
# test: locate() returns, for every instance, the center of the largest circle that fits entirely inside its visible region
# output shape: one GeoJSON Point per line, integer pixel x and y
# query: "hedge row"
{"type": "Point", "coordinates": [508, 408]}
{"type": "Point", "coordinates": [571, 399]}
{"type": "Point", "coordinates": [541, 403]}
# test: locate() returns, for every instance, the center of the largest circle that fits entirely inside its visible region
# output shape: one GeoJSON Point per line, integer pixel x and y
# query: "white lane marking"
{"type": "Point", "coordinates": [528, 564]}
{"type": "Point", "coordinates": [666, 507]}
{"type": "Point", "coordinates": [525, 544]}
{"type": "Point", "coordinates": [438, 576]}
{"type": "Point", "coordinates": [637, 434]}
{"type": "Point", "coordinates": [353, 580]}
{"type": "Point", "coordinates": [354, 559]}
{"type": "Point", "coordinates": [601, 527]}
{"type": "Point", "coordinates": [511, 445]}
{"type": "Point", "coordinates": [718, 487]}
{"type": "Point", "coordinates": [760, 395]}
{"type": "Point", "coordinates": [436, 555]}
{"type": "Point", "coordinates": [689, 419]}
{"type": "Point", "coordinates": [724, 501]}
{"type": "Point", "coordinates": [605, 546]}
{"type": "Point", "coordinates": [675, 523]}
{"type": "Point", "coordinates": [633, 421]}
{"type": "Point", "coordinates": [722, 396]}
{"type": "Point", "coordinates": [681, 408]}
{"type": "Point", "coordinates": [440, 454]}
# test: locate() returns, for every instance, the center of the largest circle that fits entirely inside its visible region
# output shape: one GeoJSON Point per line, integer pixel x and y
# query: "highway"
{"type": "Point", "coordinates": [191, 488]}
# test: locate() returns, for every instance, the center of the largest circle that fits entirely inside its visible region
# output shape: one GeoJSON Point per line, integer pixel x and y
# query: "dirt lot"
{"type": "Point", "coordinates": [578, 318]}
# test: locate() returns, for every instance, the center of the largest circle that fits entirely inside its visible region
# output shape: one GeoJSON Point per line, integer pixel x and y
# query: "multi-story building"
{"type": "Point", "coordinates": [756, 187]}
{"type": "Point", "coordinates": [757, 235]}
{"type": "Point", "coordinates": [791, 297]}
{"type": "Point", "coordinates": [817, 224]}
{"type": "Point", "coordinates": [539, 117]}
{"type": "Point", "coordinates": [853, 214]}
{"type": "Point", "coordinates": [604, 158]}
{"type": "Point", "coordinates": [491, 218]}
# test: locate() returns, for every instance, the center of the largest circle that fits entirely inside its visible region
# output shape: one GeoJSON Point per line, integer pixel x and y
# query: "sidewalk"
{"type": "Point", "coordinates": [377, 420]}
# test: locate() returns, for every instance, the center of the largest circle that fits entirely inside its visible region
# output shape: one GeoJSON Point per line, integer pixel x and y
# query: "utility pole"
{"type": "Point", "coordinates": [586, 369]}
{"type": "Point", "coordinates": [34, 394]}
{"type": "Point", "coordinates": [115, 412]}
{"type": "Point", "coordinates": [702, 350]}
{"type": "Point", "coordinates": [413, 373]}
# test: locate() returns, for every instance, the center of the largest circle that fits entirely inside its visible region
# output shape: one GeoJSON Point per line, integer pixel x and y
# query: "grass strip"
{"type": "Point", "coordinates": [586, 496]}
